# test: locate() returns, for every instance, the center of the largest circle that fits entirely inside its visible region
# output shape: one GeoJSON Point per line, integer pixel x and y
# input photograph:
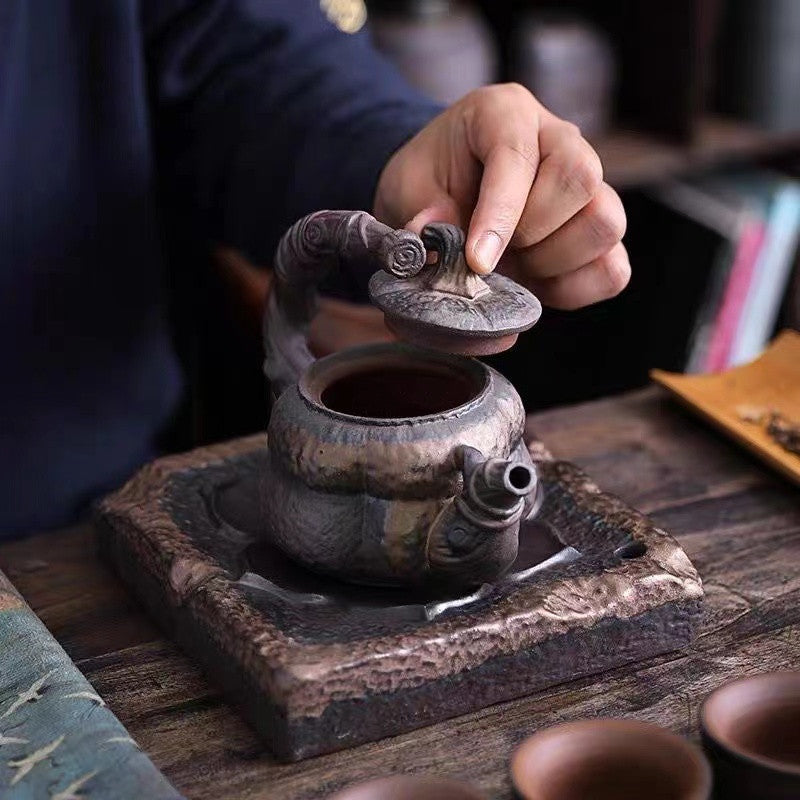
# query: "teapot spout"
{"type": "Point", "coordinates": [495, 488]}
{"type": "Point", "coordinates": [475, 538]}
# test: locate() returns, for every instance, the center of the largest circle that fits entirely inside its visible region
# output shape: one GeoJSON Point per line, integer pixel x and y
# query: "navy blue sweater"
{"type": "Point", "coordinates": [246, 113]}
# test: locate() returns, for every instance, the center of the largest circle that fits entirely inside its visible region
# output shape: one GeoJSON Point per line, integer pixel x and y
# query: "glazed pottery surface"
{"type": "Point", "coordinates": [609, 759]}
{"type": "Point", "coordinates": [318, 664]}
{"type": "Point", "coordinates": [365, 465]}
{"type": "Point", "coordinates": [408, 787]}
{"type": "Point", "coordinates": [392, 464]}
{"type": "Point", "coordinates": [751, 731]}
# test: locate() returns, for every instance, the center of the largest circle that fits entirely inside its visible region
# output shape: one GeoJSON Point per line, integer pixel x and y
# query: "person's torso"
{"type": "Point", "coordinates": [88, 374]}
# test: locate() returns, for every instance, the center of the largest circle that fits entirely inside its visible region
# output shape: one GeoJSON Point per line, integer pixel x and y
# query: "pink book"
{"type": "Point", "coordinates": [730, 310]}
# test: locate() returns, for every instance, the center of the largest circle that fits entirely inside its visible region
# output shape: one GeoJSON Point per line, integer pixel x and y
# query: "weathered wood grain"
{"type": "Point", "coordinates": [739, 523]}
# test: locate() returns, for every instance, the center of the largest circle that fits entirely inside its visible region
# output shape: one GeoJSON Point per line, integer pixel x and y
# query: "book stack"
{"type": "Point", "coordinates": [755, 219]}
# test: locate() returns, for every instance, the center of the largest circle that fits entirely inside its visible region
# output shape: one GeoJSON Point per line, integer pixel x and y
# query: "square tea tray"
{"type": "Point", "coordinates": [317, 665]}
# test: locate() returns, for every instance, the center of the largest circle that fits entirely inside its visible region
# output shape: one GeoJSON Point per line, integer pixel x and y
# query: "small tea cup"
{"type": "Point", "coordinates": [609, 759]}
{"type": "Point", "coordinates": [409, 787]}
{"type": "Point", "coordinates": [751, 732]}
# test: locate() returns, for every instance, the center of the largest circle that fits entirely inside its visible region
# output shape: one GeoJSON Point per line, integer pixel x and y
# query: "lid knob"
{"type": "Point", "coordinates": [446, 306]}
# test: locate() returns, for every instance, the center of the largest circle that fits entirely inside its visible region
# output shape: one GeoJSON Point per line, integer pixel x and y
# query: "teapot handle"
{"type": "Point", "coordinates": [314, 245]}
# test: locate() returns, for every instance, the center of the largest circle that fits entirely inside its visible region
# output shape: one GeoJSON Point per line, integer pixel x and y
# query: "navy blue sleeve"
{"type": "Point", "coordinates": [263, 111]}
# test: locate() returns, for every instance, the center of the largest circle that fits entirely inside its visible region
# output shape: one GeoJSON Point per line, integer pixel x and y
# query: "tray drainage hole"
{"type": "Point", "coordinates": [631, 550]}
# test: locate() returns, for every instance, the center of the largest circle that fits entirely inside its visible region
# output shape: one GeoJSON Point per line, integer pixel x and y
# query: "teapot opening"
{"type": "Point", "coordinates": [394, 392]}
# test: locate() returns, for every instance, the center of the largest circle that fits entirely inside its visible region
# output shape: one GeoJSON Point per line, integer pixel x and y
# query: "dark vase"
{"type": "Point", "coordinates": [443, 48]}
{"type": "Point", "coordinates": [569, 66]}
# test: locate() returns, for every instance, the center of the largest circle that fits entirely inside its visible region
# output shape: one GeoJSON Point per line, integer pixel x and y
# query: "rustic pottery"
{"type": "Point", "coordinates": [392, 464]}
{"type": "Point", "coordinates": [395, 554]}
{"type": "Point", "coordinates": [609, 759]}
{"type": "Point", "coordinates": [751, 731]}
{"type": "Point", "coordinates": [317, 664]}
{"type": "Point", "coordinates": [409, 787]}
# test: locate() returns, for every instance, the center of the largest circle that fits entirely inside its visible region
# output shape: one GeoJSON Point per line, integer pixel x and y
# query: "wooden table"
{"type": "Point", "coordinates": [737, 521]}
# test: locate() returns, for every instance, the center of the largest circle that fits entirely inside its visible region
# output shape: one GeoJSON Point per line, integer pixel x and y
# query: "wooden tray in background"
{"type": "Point", "coordinates": [771, 382]}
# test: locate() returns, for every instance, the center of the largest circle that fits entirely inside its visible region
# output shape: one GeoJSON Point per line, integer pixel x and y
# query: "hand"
{"type": "Point", "coordinates": [529, 187]}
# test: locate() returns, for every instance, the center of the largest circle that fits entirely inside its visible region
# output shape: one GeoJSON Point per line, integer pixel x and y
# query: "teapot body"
{"type": "Point", "coordinates": [392, 464]}
{"type": "Point", "coordinates": [367, 467]}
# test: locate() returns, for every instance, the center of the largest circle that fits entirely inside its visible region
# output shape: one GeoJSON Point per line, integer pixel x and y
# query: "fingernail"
{"type": "Point", "coordinates": [487, 251]}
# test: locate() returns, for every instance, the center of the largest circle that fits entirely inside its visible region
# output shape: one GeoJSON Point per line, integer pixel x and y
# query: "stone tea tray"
{"type": "Point", "coordinates": [318, 665]}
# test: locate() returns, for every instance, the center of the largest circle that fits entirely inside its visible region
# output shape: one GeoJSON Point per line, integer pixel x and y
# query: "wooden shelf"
{"type": "Point", "coordinates": [632, 159]}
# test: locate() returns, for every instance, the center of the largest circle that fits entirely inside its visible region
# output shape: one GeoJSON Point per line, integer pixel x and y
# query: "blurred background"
{"type": "Point", "coordinates": [694, 107]}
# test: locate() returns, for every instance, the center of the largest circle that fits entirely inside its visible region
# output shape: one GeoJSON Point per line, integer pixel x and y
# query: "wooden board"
{"type": "Point", "coordinates": [737, 520]}
{"type": "Point", "coordinates": [315, 670]}
{"type": "Point", "coordinates": [730, 398]}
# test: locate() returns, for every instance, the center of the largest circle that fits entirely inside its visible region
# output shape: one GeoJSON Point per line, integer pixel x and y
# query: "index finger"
{"type": "Point", "coordinates": [505, 139]}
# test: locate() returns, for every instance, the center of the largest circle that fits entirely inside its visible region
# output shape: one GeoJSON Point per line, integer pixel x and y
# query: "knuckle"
{"type": "Point", "coordinates": [607, 219]}
{"type": "Point", "coordinates": [590, 170]}
{"type": "Point", "coordinates": [481, 104]}
{"type": "Point", "coordinates": [503, 116]}
{"type": "Point", "coordinates": [502, 98]}
{"type": "Point", "coordinates": [582, 174]}
{"type": "Point", "coordinates": [616, 272]}
{"type": "Point", "coordinates": [481, 93]}
{"type": "Point", "coordinates": [516, 92]}
{"type": "Point", "coordinates": [526, 150]}
{"type": "Point", "coordinates": [569, 130]}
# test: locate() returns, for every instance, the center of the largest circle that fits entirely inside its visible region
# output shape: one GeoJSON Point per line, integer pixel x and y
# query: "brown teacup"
{"type": "Point", "coordinates": [751, 731]}
{"type": "Point", "coordinates": [609, 759]}
{"type": "Point", "coordinates": [409, 787]}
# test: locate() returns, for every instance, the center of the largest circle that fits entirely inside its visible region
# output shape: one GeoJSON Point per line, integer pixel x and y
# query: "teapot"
{"type": "Point", "coordinates": [401, 463]}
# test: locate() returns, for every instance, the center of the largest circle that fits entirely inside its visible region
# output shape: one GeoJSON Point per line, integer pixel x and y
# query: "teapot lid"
{"type": "Point", "coordinates": [446, 306]}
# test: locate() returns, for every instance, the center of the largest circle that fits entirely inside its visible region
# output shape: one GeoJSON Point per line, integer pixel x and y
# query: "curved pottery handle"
{"type": "Point", "coordinates": [307, 252]}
